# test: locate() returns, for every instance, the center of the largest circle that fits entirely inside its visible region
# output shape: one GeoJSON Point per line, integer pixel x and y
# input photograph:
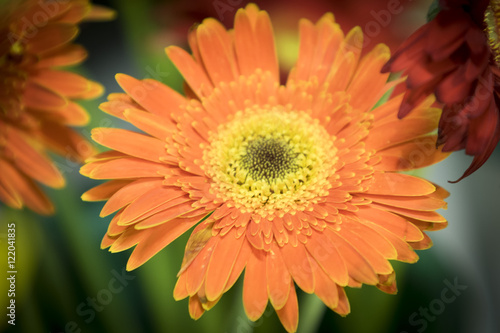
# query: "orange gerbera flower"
{"type": "Point", "coordinates": [295, 183]}
{"type": "Point", "coordinates": [37, 98]}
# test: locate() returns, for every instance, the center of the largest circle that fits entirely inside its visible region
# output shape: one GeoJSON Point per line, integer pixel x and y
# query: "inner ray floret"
{"type": "Point", "coordinates": [270, 158]}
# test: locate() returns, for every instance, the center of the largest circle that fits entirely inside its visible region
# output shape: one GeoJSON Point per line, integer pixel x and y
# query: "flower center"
{"type": "Point", "coordinates": [492, 20]}
{"type": "Point", "coordinates": [270, 159]}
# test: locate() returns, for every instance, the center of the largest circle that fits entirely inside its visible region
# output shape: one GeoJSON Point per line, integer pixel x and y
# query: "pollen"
{"type": "Point", "coordinates": [492, 20]}
{"type": "Point", "coordinates": [270, 160]}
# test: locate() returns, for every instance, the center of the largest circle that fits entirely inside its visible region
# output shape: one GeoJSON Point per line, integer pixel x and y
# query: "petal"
{"type": "Point", "coordinates": [157, 239]}
{"type": "Point", "coordinates": [367, 85]}
{"type": "Point", "coordinates": [68, 55]}
{"type": "Point", "coordinates": [255, 285]}
{"type": "Point", "coordinates": [417, 153]}
{"type": "Point", "coordinates": [325, 288]}
{"type": "Point", "coordinates": [128, 193]}
{"type": "Point", "coordinates": [31, 161]}
{"type": "Point", "coordinates": [399, 184]}
{"type": "Point", "coordinates": [121, 168]}
{"type": "Point", "coordinates": [289, 313]}
{"type": "Point", "coordinates": [152, 124]}
{"type": "Point", "coordinates": [221, 264]}
{"type": "Point", "coordinates": [390, 133]}
{"type": "Point", "coordinates": [192, 72]}
{"type": "Point", "coordinates": [27, 190]}
{"type": "Point", "coordinates": [62, 82]}
{"type": "Point", "coordinates": [278, 278]}
{"type": "Point", "coordinates": [131, 143]}
{"type": "Point", "coordinates": [154, 96]}
{"type": "Point", "coordinates": [392, 222]}
{"type": "Point", "coordinates": [414, 203]}
{"type": "Point", "coordinates": [216, 51]}
{"type": "Point", "coordinates": [358, 267]}
{"type": "Point", "coordinates": [195, 307]}
{"type": "Point", "coordinates": [39, 97]}
{"type": "Point", "coordinates": [104, 191]}
{"type": "Point", "coordinates": [254, 42]}
{"type": "Point", "coordinates": [297, 262]}
{"type": "Point", "coordinates": [149, 201]}
{"type": "Point", "coordinates": [52, 36]}
{"type": "Point", "coordinates": [327, 256]}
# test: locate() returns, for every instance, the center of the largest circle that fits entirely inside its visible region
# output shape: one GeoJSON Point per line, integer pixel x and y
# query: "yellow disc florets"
{"type": "Point", "coordinates": [492, 20]}
{"type": "Point", "coordinates": [270, 160]}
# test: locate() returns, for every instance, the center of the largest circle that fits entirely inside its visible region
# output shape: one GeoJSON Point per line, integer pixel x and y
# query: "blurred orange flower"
{"type": "Point", "coordinates": [37, 97]}
{"type": "Point", "coordinates": [295, 183]}
{"type": "Point", "coordinates": [456, 56]}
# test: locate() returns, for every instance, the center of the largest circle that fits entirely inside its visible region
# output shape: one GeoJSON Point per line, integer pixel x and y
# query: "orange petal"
{"type": "Point", "coordinates": [180, 290]}
{"type": "Point", "coordinates": [9, 194]}
{"type": "Point", "coordinates": [297, 262]}
{"type": "Point", "coordinates": [196, 242]}
{"type": "Point", "coordinates": [358, 266]}
{"type": "Point", "coordinates": [148, 201]}
{"type": "Point", "coordinates": [191, 71]}
{"type": "Point", "coordinates": [160, 237]}
{"type": "Point", "coordinates": [424, 244]}
{"type": "Point", "coordinates": [68, 55]}
{"type": "Point", "coordinates": [390, 133]}
{"type": "Point", "coordinates": [278, 278]}
{"type": "Point", "coordinates": [254, 42]}
{"type": "Point", "coordinates": [105, 190]}
{"type": "Point", "coordinates": [399, 184]}
{"type": "Point", "coordinates": [289, 313]}
{"type": "Point", "coordinates": [72, 114]}
{"type": "Point", "coordinates": [51, 36]}
{"type": "Point", "coordinates": [424, 203]}
{"type": "Point", "coordinates": [32, 162]}
{"type": "Point", "coordinates": [95, 90]}
{"type": "Point", "coordinates": [346, 61]}
{"type": "Point", "coordinates": [364, 247]}
{"type": "Point", "coordinates": [131, 143]}
{"type": "Point", "coordinates": [117, 108]}
{"type": "Point", "coordinates": [343, 308]}
{"type": "Point", "coordinates": [154, 96]}
{"type": "Point", "coordinates": [150, 123]}
{"type": "Point", "coordinates": [100, 13]}
{"type": "Point", "coordinates": [63, 82]}
{"type": "Point", "coordinates": [30, 193]}
{"type": "Point", "coordinates": [419, 215]}
{"type": "Point", "coordinates": [39, 97]}
{"type": "Point", "coordinates": [221, 264]}
{"type": "Point", "coordinates": [216, 51]}
{"type": "Point", "coordinates": [181, 207]}
{"type": "Point", "coordinates": [367, 85]}
{"type": "Point", "coordinates": [255, 285]}
{"type": "Point", "coordinates": [417, 153]}
{"type": "Point", "coordinates": [195, 307]}
{"type": "Point", "coordinates": [107, 241]}
{"type": "Point", "coordinates": [391, 222]}
{"type": "Point", "coordinates": [75, 14]}
{"type": "Point", "coordinates": [239, 265]}
{"type": "Point", "coordinates": [324, 286]}
{"type": "Point", "coordinates": [65, 141]}
{"type": "Point", "coordinates": [121, 168]}
{"type": "Point", "coordinates": [196, 272]}
{"type": "Point", "coordinates": [405, 252]}
{"type": "Point", "coordinates": [379, 242]}
{"type": "Point", "coordinates": [327, 256]}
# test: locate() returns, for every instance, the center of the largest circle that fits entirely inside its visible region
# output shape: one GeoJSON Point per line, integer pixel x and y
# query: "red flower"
{"type": "Point", "coordinates": [455, 56]}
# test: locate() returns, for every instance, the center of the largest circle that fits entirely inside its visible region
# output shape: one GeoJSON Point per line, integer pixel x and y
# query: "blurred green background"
{"type": "Point", "coordinates": [65, 283]}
